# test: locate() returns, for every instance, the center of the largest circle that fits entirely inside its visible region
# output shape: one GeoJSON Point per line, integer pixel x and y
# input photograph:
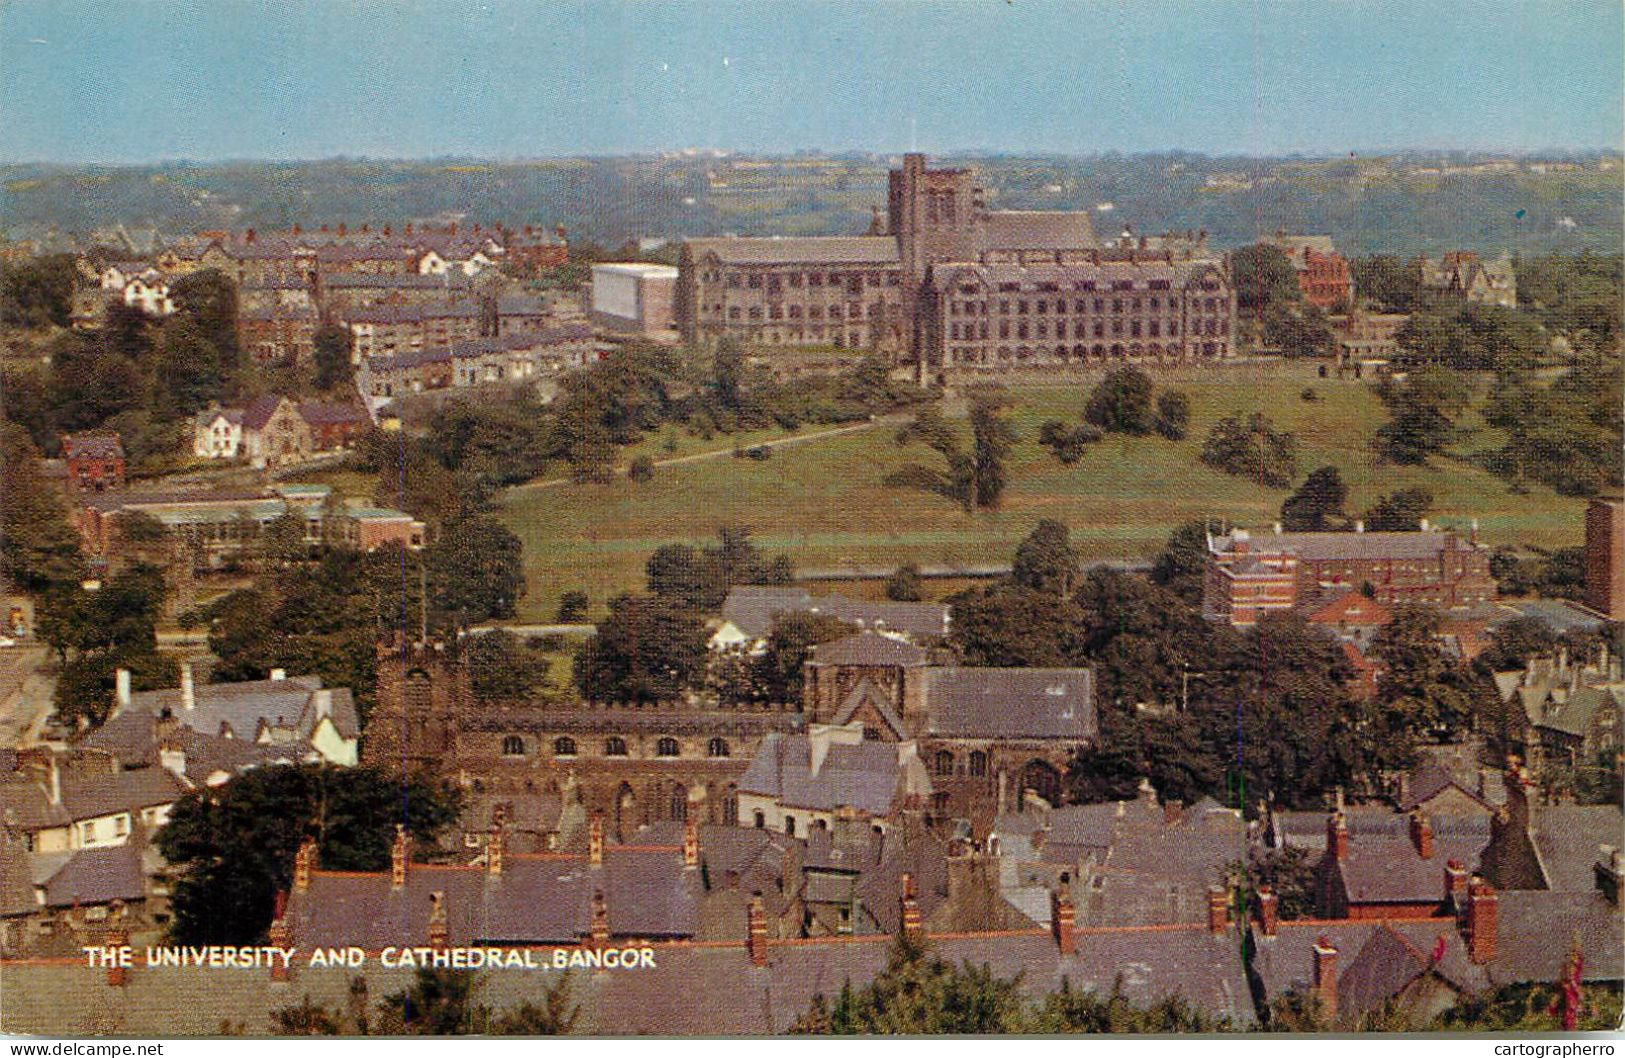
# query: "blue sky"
{"type": "Point", "coordinates": [141, 80]}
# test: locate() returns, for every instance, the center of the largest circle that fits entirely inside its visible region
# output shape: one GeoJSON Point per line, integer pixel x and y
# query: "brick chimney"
{"type": "Point", "coordinates": [188, 691]}
{"type": "Point", "coordinates": [117, 936]}
{"type": "Point", "coordinates": [1063, 922]}
{"type": "Point", "coordinates": [1422, 834]}
{"type": "Point", "coordinates": [1483, 915]}
{"type": "Point", "coordinates": [595, 840]}
{"type": "Point", "coordinates": [600, 919]}
{"type": "Point", "coordinates": [1269, 910]}
{"type": "Point", "coordinates": [756, 931]}
{"type": "Point", "coordinates": [397, 859]}
{"type": "Point", "coordinates": [280, 935]}
{"type": "Point", "coordinates": [304, 861]}
{"type": "Point", "coordinates": [691, 841]}
{"type": "Point", "coordinates": [1337, 836]}
{"type": "Point", "coordinates": [1456, 879]}
{"type": "Point", "coordinates": [1326, 977]}
{"type": "Point", "coordinates": [913, 924]}
{"type": "Point", "coordinates": [439, 930]}
{"type": "Point", "coordinates": [1218, 909]}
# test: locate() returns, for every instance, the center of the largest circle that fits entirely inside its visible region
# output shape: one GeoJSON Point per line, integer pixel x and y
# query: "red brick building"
{"type": "Point", "coordinates": [95, 460]}
{"type": "Point", "coordinates": [1323, 273]}
{"type": "Point", "coordinates": [1247, 578]}
{"type": "Point", "coordinates": [1605, 565]}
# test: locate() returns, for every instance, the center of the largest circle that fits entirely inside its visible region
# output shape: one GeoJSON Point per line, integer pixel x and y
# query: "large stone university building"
{"type": "Point", "coordinates": [948, 284]}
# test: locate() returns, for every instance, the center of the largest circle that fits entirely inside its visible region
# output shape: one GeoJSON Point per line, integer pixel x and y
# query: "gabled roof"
{"type": "Point", "coordinates": [1039, 230]}
{"type": "Point", "coordinates": [868, 648]}
{"type": "Point", "coordinates": [1566, 838]}
{"type": "Point", "coordinates": [260, 410]}
{"type": "Point", "coordinates": [1537, 929]}
{"type": "Point", "coordinates": [1010, 703]}
{"type": "Point", "coordinates": [92, 446]}
{"type": "Point", "coordinates": [865, 693]}
{"type": "Point", "coordinates": [867, 776]}
{"type": "Point", "coordinates": [1388, 870]}
{"type": "Point", "coordinates": [99, 876]}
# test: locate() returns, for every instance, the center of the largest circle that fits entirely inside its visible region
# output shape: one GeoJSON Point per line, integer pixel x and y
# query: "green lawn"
{"type": "Point", "coordinates": [824, 503]}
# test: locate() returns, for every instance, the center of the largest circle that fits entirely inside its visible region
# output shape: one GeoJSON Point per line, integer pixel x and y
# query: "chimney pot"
{"type": "Point", "coordinates": [1063, 922]}
{"type": "Point", "coordinates": [1337, 836]}
{"type": "Point", "coordinates": [1326, 977]}
{"type": "Point", "coordinates": [304, 861]}
{"type": "Point", "coordinates": [1218, 909]}
{"type": "Point", "coordinates": [1269, 910]}
{"type": "Point", "coordinates": [280, 936]}
{"type": "Point", "coordinates": [756, 931]}
{"type": "Point", "coordinates": [1483, 914]}
{"type": "Point", "coordinates": [913, 924]}
{"type": "Point", "coordinates": [1421, 834]}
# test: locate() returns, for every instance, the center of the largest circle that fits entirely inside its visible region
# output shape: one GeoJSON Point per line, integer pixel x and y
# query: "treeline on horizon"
{"type": "Point", "coordinates": [1368, 204]}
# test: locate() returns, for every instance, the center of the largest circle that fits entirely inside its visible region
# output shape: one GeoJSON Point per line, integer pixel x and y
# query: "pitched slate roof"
{"type": "Point", "coordinates": [259, 411]}
{"type": "Point", "coordinates": [840, 249]}
{"type": "Point", "coordinates": [1010, 703]}
{"type": "Point", "coordinates": [864, 775]}
{"type": "Point", "coordinates": [537, 899]}
{"type": "Point", "coordinates": [1039, 230]}
{"type": "Point", "coordinates": [1536, 930]}
{"type": "Point", "coordinates": [1385, 870]}
{"type": "Point", "coordinates": [1400, 950]}
{"type": "Point", "coordinates": [297, 702]}
{"type": "Point", "coordinates": [751, 609]}
{"type": "Point", "coordinates": [92, 446]}
{"type": "Point", "coordinates": [868, 648]}
{"type": "Point", "coordinates": [99, 876]}
{"type": "Point", "coordinates": [328, 413]}
{"type": "Point", "coordinates": [1307, 830]}
{"type": "Point", "coordinates": [1566, 839]}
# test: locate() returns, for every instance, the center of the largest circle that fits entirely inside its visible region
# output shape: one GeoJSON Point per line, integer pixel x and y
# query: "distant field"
{"type": "Point", "coordinates": [823, 503]}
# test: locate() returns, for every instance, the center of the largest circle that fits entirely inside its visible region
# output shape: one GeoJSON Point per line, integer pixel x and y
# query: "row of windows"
{"type": "Point", "coordinates": [774, 281]}
{"type": "Point", "coordinates": [966, 332]}
{"type": "Point", "coordinates": [854, 310]}
{"type": "Point", "coordinates": [1042, 306]}
{"type": "Point", "coordinates": [943, 763]}
{"type": "Point", "coordinates": [1088, 286]}
{"type": "Point", "coordinates": [615, 746]}
{"type": "Point", "coordinates": [979, 355]}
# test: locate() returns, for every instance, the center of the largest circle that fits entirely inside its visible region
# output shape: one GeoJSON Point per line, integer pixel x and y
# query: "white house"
{"type": "Point", "coordinates": [217, 433]}
{"type": "Point", "coordinates": [798, 783]}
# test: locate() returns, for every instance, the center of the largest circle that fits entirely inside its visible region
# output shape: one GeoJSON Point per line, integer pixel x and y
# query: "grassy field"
{"type": "Point", "coordinates": [824, 504]}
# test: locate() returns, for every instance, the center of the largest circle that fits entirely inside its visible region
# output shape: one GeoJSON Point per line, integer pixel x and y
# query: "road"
{"type": "Point", "coordinates": [894, 419]}
{"type": "Point", "coordinates": [25, 694]}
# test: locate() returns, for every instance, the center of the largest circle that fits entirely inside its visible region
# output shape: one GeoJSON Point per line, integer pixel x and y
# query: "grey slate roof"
{"type": "Point", "coordinates": [1011, 703]}
{"type": "Point", "coordinates": [1536, 929]}
{"type": "Point", "coordinates": [1380, 870]}
{"type": "Point", "coordinates": [1566, 838]}
{"type": "Point", "coordinates": [865, 775]}
{"type": "Point", "coordinates": [840, 249]}
{"type": "Point", "coordinates": [868, 648]}
{"type": "Point", "coordinates": [751, 609]}
{"type": "Point", "coordinates": [242, 708]}
{"type": "Point", "coordinates": [1039, 230]}
{"type": "Point", "coordinates": [1400, 950]}
{"type": "Point", "coordinates": [99, 876]}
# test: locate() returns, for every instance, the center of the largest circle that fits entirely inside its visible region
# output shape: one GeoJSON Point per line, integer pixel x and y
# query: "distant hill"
{"type": "Point", "coordinates": [1394, 203]}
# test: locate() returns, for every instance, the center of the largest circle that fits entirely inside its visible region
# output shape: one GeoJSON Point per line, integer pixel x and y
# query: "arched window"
{"type": "Point", "coordinates": [944, 762]}
{"type": "Point", "coordinates": [666, 747]}
{"type": "Point", "coordinates": [513, 746]}
{"type": "Point", "coordinates": [564, 747]}
{"type": "Point", "coordinates": [978, 763]}
{"type": "Point", "coordinates": [717, 747]}
{"type": "Point", "coordinates": [615, 747]}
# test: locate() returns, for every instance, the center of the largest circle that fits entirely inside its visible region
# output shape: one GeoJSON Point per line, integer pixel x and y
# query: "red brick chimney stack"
{"type": "Point", "coordinates": [691, 842]}
{"type": "Point", "coordinates": [397, 859]}
{"type": "Point", "coordinates": [1422, 834]}
{"type": "Point", "coordinates": [600, 919]}
{"type": "Point", "coordinates": [1326, 977]}
{"type": "Point", "coordinates": [1456, 879]}
{"type": "Point", "coordinates": [304, 861]}
{"type": "Point", "coordinates": [913, 924]}
{"type": "Point", "coordinates": [756, 931]}
{"type": "Point", "coordinates": [1269, 910]}
{"type": "Point", "coordinates": [1218, 909]}
{"type": "Point", "coordinates": [1337, 835]}
{"type": "Point", "coordinates": [280, 935]}
{"type": "Point", "coordinates": [1063, 921]}
{"type": "Point", "coordinates": [1483, 915]}
{"type": "Point", "coordinates": [439, 931]}
{"type": "Point", "coordinates": [595, 841]}
{"type": "Point", "coordinates": [117, 936]}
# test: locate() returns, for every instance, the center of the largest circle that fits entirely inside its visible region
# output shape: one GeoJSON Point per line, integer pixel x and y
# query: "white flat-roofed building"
{"type": "Point", "coordinates": [634, 297]}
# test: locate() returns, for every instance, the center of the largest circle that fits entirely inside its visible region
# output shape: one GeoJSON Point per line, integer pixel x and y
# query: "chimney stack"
{"type": "Point", "coordinates": [1483, 914]}
{"type": "Point", "coordinates": [1218, 909]}
{"type": "Point", "coordinates": [304, 861]}
{"type": "Point", "coordinates": [188, 692]}
{"type": "Point", "coordinates": [397, 860]}
{"type": "Point", "coordinates": [1269, 910]}
{"type": "Point", "coordinates": [691, 841]}
{"type": "Point", "coordinates": [600, 919]}
{"type": "Point", "coordinates": [1456, 880]}
{"type": "Point", "coordinates": [117, 936]}
{"type": "Point", "coordinates": [1063, 921]}
{"type": "Point", "coordinates": [121, 683]}
{"type": "Point", "coordinates": [1422, 834]}
{"type": "Point", "coordinates": [595, 841]}
{"type": "Point", "coordinates": [913, 924]}
{"type": "Point", "coordinates": [756, 931]}
{"type": "Point", "coordinates": [439, 930]}
{"type": "Point", "coordinates": [1326, 978]}
{"type": "Point", "coordinates": [1337, 836]}
{"type": "Point", "coordinates": [280, 936]}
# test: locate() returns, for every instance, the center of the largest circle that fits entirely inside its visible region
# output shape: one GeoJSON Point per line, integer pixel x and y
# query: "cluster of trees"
{"type": "Point", "coordinates": [652, 648]}
{"type": "Point", "coordinates": [142, 377]}
{"type": "Point", "coordinates": [921, 994]}
{"type": "Point", "coordinates": [38, 548]}
{"type": "Point", "coordinates": [1173, 690]}
{"type": "Point", "coordinates": [1564, 433]}
{"type": "Point", "coordinates": [975, 479]}
{"type": "Point", "coordinates": [437, 1003]}
{"type": "Point", "coordinates": [1252, 448]}
{"type": "Point", "coordinates": [97, 631]}
{"type": "Point", "coordinates": [232, 846]}
{"type": "Point", "coordinates": [37, 292]}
